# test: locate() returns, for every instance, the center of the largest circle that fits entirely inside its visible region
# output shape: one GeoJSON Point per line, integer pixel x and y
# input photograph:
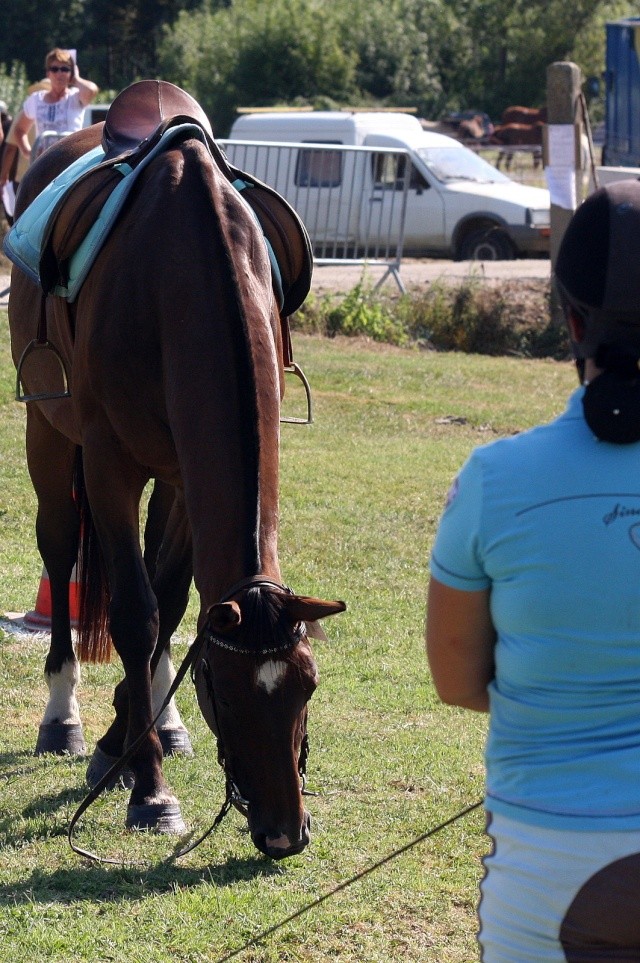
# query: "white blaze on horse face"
{"type": "Point", "coordinates": [271, 674]}
{"type": "Point", "coordinates": [62, 706]}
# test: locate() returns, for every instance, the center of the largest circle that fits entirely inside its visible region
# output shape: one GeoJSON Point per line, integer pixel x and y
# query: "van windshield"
{"type": "Point", "coordinates": [449, 164]}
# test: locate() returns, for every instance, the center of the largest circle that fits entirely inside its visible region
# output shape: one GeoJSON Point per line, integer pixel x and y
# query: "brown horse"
{"type": "Point", "coordinates": [524, 115]}
{"type": "Point", "coordinates": [174, 359]}
{"type": "Point", "coordinates": [518, 136]}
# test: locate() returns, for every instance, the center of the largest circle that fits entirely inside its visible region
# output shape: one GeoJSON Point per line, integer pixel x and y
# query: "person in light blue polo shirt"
{"type": "Point", "coordinates": [534, 616]}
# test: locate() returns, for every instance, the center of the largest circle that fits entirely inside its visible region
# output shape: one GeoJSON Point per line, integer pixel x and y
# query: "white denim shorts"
{"type": "Point", "coordinates": [558, 896]}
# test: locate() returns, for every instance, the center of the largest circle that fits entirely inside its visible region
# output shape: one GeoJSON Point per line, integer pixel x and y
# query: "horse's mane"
{"type": "Point", "coordinates": [265, 622]}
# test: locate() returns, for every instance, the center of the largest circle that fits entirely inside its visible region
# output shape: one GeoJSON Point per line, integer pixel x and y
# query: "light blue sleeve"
{"type": "Point", "coordinates": [456, 559]}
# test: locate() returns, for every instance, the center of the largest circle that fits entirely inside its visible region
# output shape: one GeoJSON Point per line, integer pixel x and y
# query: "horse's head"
{"type": "Point", "coordinates": [253, 682]}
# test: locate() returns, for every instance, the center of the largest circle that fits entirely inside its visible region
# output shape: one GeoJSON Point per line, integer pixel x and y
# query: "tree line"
{"type": "Point", "coordinates": [436, 56]}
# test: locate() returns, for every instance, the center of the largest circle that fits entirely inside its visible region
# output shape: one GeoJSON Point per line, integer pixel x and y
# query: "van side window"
{"type": "Point", "coordinates": [319, 168]}
{"type": "Point", "coordinates": [389, 172]}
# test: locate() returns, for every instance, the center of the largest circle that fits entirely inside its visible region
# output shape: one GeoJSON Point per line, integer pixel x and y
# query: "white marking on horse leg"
{"type": "Point", "coordinates": [270, 675]}
{"type": "Point", "coordinates": [62, 706]}
{"type": "Point", "coordinates": [162, 679]}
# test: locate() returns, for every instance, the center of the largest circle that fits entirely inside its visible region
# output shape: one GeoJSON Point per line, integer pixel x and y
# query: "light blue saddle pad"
{"type": "Point", "coordinates": [24, 243]}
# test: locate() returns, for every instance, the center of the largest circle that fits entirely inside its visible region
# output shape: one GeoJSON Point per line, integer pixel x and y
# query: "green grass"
{"type": "Point", "coordinates": [362, 490]}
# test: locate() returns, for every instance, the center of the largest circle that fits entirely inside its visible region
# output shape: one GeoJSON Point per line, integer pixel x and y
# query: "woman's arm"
{"type": "Point", "coordinates": [87, 88]}
{"type": "Point", "coordinates": [460, 639]}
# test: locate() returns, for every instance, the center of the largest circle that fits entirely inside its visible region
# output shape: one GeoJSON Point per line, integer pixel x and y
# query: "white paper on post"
{"type": "Point", "coordinates": [561, 172]}
{"type": "Point", "coordinates": [561, 182]}
{"type": "Point", "coordinates": [561, 140]}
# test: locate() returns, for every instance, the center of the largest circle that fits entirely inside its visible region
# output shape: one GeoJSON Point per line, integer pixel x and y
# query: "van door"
{"type": "Point", "coordinates": [424, 220]}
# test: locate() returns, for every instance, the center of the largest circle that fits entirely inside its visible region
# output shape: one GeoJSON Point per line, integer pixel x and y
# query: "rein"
{"type": "Point", "coordinates": [349, 882]}
{"type": "Point", "coordinates": [232, 794]}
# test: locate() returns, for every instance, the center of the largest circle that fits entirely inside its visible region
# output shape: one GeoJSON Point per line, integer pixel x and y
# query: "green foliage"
{"type": "Point", "coordinates": [470, 317]}
{"type": "Point", "coordinates": [434, 55]}
{"type": "Point", "coordinates": [258, 54]}
{"type": "Point", "coordinates": [32, 27]}
{"type": "Point", "coordinates": [397, 45]}
{"type": "Point", "coordinates": [13, 85]}
{"type": "Point", "coordinates": [361, 312]}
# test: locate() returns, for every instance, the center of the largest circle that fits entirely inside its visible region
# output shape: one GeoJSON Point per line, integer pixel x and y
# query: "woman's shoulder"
{"type": "Point", "coordinates": [33, 98]}
{"type": "Point", "coordinates": [529, 447]}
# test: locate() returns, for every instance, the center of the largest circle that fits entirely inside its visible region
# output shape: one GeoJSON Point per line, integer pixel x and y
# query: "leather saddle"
{"type": "Point", "coordinates": [135, 122]}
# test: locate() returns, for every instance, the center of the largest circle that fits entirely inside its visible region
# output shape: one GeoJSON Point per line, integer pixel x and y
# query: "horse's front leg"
{"type": "Point", "coordinates": [50, 458]}
{"type": "Point", "coordinates": [133, 624]}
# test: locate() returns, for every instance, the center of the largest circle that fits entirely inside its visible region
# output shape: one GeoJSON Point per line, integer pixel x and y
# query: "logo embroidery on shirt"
{"type": "Point", "coordinates": [634, 534]}
{"type": "Point", "coordinates": [453, 491]}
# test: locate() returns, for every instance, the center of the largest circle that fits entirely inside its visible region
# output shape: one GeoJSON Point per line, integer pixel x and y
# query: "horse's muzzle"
{"type": "Point", "coordinates": [280, 846]}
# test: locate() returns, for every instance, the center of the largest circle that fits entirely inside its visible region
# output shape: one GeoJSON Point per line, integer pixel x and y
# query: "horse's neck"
{"type": "Point", "coordinates": [225, 412]}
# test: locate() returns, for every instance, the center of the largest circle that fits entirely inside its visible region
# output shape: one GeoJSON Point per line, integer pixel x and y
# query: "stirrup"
{"type": "Point", "coordinates": [36, 345]}
{"type": "Point", "coordinates": [296, 370]}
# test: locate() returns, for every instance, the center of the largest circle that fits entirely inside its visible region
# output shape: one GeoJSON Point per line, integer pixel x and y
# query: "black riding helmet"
{"type": "Point", "coordinates": [597, 270]}
{"type": "Point", "coordinates": [597, 274]}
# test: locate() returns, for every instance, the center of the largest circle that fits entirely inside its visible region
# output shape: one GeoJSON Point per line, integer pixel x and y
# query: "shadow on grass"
{"type": "Point", "coordinates": [23, 763]}
{"type": "Point", "coordinates": [119, 885]}
{"type": "Point", "coordinates": [96, 882]}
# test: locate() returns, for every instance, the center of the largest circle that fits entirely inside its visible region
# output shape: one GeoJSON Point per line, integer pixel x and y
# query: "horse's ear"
{"type": "Point", "coordinates": [301, 608]}
{"type": "Point", "coordinates": [224, 616]}
{"type": "Point", "coordinates": [315, 631]}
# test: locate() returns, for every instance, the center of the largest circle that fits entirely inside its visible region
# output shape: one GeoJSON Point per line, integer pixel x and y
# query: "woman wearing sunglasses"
{"type": "Point", "coordinates": [60, 107]}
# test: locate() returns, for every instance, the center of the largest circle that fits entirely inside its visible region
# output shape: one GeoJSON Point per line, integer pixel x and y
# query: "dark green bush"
{"type": "Point", "coordinates": [362, 312]}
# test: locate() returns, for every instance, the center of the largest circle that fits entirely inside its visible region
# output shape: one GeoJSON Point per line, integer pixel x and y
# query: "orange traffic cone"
{"type": "Point", "coordinates": [41, 615]}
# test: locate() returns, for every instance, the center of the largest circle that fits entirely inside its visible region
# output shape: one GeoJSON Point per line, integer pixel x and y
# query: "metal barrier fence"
{"type": "Point", "coordinates": [352, 200]}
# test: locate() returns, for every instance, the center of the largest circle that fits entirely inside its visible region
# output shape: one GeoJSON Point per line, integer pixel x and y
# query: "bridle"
{"type": "Point", "coordinates": [200, 664]}
{"type": "Point", "coordinates": [196, 659]}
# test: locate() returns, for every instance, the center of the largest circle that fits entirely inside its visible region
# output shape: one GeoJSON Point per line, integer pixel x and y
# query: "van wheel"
{"type": "Point", "coordinates": [487, 244]}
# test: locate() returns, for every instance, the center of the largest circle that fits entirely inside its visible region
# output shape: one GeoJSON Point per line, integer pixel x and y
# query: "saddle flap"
{"type": "Point", "coordinates": [289, 239]}
{"type": "Point", "coordinates": [282, 227]}
{"type": "Point", "coordinates": [78, 212]}
{"type": "Point", "coordinates": [139, 109]}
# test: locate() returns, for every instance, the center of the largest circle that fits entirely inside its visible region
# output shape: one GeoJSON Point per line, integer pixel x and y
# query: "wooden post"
{"type": "Point", "coordinates": [563, 92]}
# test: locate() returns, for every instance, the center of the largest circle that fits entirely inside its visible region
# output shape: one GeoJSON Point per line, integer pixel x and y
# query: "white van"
{"type": "Point", "coordinates": [94, 113]}
{"type": "Point", "coordinates": [457, 205]}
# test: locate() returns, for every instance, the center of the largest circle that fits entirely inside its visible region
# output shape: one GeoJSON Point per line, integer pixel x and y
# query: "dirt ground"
{"type": "Point", "coordinates": [414, 272]}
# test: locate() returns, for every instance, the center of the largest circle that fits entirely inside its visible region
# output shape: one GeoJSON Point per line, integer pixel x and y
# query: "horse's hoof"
{"type": "Point", "coordinates": [60, 739]}
{"type": "Point", "coordinates": [175, 742]}
{"type": "Point", "coordinates": [99, 766]}
{"type": "Point", "coordinates": [160, 817]}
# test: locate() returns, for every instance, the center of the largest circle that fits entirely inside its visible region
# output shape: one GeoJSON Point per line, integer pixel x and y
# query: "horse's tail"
{"type": "Point", "coordinates": [94, 641]}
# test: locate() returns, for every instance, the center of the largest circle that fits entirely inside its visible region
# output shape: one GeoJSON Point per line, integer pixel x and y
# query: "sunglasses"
{"type": "Point", "coordinates": [59, 70]}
